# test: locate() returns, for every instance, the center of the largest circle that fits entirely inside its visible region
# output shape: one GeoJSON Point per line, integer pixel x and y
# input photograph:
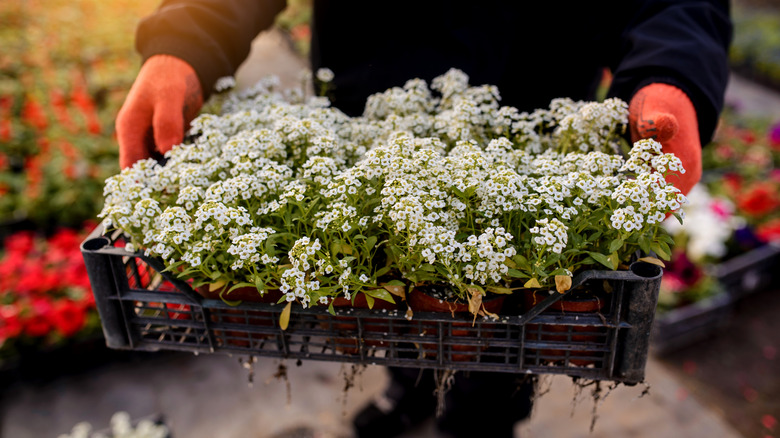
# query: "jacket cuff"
{"type": "Point", "coordinates": [207, 69]}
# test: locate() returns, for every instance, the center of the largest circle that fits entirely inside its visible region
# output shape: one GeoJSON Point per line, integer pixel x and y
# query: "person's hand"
{"type": "Point", "coordinates": [663, 112]}
{"type": "Point", "coordinates": [165, 97]}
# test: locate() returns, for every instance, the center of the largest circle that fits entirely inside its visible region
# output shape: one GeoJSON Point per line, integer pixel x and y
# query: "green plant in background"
{"type": "Point", "coordinates": [65, 68]}
{"type": "Point", "coordinates": [755, 49]}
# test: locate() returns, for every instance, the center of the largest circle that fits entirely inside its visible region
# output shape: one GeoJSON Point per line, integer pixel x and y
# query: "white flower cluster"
{"type": "Point", "coordinates": [438, 182]}
{"type": "Point", "coordinates": [550, 234]}
{"type": "Point", "coordinates": [710, 222]}
{"type": "Point", "coordinates": [298, 281]}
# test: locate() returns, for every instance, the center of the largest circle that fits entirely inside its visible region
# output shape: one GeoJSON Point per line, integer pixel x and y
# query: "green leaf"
{"type": "Point", "coordinates": [381, 294]}
{"type": "Point", "coordinates": [559, 271]}
{"type": "Point", "coordinates": [587, 261]}
{"type": "Point", "coordinates": [663, 237]}
{"type": "Point", "coordinates": [370, 301]}
{"type": "Point", "coordinates": [644, 244]}
{"type": "Point", "coordinates": [382, 271]}
{"type": "Point", "coordinates": [238, 285]}
{"type": "Point", "coordinates": [514, 273]}
{"type": "Point", "coordinates": [522, 262]}
{"type": "Point", "coordinates": [594, 237]}
{"type": "Point", "coordinates": [370, 242]}
{"type": "Point", "coordinates": [601, 258]}
{"type": "Point", "coordinates": [615, 259]}
{"type": "Point", "coordinates": [665, 247]}
{"type": "Point", "coordinates": [553, 259]}
{"type": "Point", "coordinates": [226, 301]}
{"type": "Point", "coordinates": [499, 290]}
{"type": "Point", "coordinates": [656, 247]}
{"type": "Point", "coordinates": [616, 245]}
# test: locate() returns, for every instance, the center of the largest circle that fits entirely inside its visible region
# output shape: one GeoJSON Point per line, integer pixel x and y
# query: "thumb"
{"type": "Point", "coordinates": [168, 125]}
{"type": "Point", "coordinates": [659, 126]}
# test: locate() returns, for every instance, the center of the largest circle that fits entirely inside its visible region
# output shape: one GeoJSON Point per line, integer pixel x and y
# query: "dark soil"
{"type": "Point", "coordinates": [737, 372]}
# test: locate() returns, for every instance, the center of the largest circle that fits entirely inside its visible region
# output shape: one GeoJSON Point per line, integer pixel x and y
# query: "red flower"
{"type": "Point", "coordinates": [769, 231]}
{"type": "Point", "coordinates": [68, 318]}
{"type": "Point", "coordinates": [5, 118]}
{"type": "Point", "coordinates": [20, 243]}
{"type": "Point", "coordinates": [33, 114]}
{"type": "Point", "coordinates": [724, 152]}
{"type": "Point", "coordinates": [732, 182]}
{"type": "Point", "coordinates": [10, 324]}
{"type": "Point", "coordinates": [759, 200]}
{"type": "Point", "coordinates": [38, 323]}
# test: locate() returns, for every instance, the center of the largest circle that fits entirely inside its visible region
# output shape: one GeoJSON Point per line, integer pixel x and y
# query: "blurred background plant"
{"type": "Point", "coordinates": [755, 50]}
{"type": "Point", "coordinates": [45, 296]}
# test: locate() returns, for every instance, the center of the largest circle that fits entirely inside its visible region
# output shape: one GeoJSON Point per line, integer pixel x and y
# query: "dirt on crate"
{"type": "Point", "coordinates": [737, 372]}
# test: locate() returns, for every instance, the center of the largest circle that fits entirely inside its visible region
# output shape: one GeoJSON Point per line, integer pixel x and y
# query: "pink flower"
{"type": "Point", "coordinates": [774, 135]}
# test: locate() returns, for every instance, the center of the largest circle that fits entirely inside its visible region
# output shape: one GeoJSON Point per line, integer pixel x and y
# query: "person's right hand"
{"type": "Point", "coordinates": [165, 97]}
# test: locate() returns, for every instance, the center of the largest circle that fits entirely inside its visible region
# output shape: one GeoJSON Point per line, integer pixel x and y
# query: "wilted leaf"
{"type": "Point", "coordinates": [475, 302]}
{"type": "Point", "coordinates": [284, 318]}
{"type": "Point", "coordinates": [409, 313]}
{"type": "Point", "coordinates": [216, 285]}
{"type": "Point", "coordinates": [652, 260]}
{"type": "Point", "coordinates": [532, 284]}
{"type": "Point", "coordinates": [562, 283]}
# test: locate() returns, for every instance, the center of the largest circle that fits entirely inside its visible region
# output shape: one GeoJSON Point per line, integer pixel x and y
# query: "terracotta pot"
{"type": "Point", "coordinates": [246, 317]}
{"type": "Point", "coordinates": [346, 324]}
{"type": "Point", "coordinates": [581, 303]}
{"type": "Point", "coordinates": [422, 300]}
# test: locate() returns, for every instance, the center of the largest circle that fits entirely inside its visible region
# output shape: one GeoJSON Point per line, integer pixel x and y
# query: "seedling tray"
{"type": "Point", "coordinates": [144, 308]}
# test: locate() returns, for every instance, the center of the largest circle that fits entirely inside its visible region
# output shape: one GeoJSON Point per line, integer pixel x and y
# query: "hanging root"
{"type": "Point", "coordinates": [281, 373]}
{"type": "Point", "coordinates": [350, 377]}
{"type": "Point", "coordinates": [444, 382]}
{"type": "Point", "coordinates": [249, 365]}
{"type": "Point", "coordinates": [598, 394]}
{"type": "Point", "coordinates": [645, 391]}
{"type": "Point", "coordinates": [575, 399]}
{"type": "Point", "coordinates": [542, 386]}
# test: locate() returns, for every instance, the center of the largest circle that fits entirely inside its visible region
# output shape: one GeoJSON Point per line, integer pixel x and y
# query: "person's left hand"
{"type": "Point", "coordinates": [665, 113]}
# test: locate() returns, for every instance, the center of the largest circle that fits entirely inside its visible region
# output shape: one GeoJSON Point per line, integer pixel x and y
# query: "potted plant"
{"type": "Point", "coordinates": [434, 185]}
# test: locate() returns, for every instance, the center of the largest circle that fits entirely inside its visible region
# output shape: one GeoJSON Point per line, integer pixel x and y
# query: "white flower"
{"type": "Point", "coordinates": [325, 74]}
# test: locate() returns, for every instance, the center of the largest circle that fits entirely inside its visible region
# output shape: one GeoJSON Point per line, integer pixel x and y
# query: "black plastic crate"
{"type": "Point", "coordinates": [751, 272]}
{"type": "Point", "coordinates": [684, 326]}
{"type": "Point", "coordinates": [144, 308]}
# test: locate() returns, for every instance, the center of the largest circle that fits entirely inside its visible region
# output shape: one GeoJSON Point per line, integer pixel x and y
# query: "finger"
{"type": "Point", "coordinates": [168, 123]}
{"type": "Point", "coordinates": [132, 126]}
{"type": "Point", "coordinates": [661, 127]}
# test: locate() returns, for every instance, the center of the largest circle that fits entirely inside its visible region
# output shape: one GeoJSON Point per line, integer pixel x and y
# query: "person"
{"type": "Point", "coordinates": [668, 58]}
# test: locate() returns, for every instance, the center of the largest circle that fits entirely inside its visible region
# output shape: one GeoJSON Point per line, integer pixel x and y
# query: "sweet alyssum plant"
{"type": "Point", "coordinates": [433, 184]}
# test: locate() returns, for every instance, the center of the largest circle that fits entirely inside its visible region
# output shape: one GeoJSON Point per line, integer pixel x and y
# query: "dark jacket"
{"type": "Point", "coordinates": [533, 51]}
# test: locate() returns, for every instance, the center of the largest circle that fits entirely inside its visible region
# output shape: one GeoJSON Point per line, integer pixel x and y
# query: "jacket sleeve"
{"type": "Point", "coordinates": [213, 36]}
{"type": "Point", "coordinates": [681, 43]}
